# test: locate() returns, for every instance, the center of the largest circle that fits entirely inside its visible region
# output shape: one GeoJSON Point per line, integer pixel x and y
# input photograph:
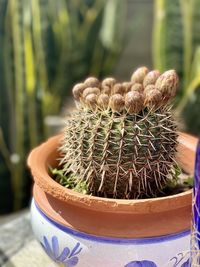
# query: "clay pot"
{"type": "Point", "coordinates": [109, 226]}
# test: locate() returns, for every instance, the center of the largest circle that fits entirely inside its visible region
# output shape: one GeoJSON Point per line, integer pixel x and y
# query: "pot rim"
{"type": "Point", "coordinates": [38, 163]}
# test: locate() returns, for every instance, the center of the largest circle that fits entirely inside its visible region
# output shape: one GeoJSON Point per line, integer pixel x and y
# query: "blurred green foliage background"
{"type": "Point", "coordinates": [46, 46]}
{"type": "Point", "coordinates": [176, 44]}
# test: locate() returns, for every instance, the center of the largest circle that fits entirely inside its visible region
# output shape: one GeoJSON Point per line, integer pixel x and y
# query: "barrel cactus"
{"type": "Point", "coordinates": [122, 139]}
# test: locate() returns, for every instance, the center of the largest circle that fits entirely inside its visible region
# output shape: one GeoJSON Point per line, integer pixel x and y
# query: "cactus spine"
{"type": "Point", "coordinates": [122, 142]}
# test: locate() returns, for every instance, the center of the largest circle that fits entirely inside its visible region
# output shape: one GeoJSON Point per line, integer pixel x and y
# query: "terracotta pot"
{"type": "Point", "coordinates": [133, 222]}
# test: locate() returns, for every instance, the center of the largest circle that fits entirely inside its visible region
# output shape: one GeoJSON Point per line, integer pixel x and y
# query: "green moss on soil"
{"type": "Point", "coordinates": [181, 183]}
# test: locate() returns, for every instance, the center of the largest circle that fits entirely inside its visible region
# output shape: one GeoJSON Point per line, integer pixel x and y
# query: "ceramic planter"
{"type": "Point", "coordinates": [87, 231]}
{"type": "Point", "coordinates": [195, 235]}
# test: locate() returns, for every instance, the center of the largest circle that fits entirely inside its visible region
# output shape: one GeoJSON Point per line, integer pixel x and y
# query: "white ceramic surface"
{"type": "Point", "coordinates": [72, 248]}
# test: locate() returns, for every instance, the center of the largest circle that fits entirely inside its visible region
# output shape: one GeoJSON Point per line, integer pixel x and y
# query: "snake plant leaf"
{"type": "Point", "coordinates": [112, 23]}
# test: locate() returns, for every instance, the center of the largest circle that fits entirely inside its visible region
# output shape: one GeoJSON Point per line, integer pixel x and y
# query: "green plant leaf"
{"type": "Point", "coordinates": [112, 23]}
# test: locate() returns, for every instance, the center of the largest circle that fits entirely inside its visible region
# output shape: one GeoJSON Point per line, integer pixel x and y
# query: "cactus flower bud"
{"type": "Point", "coordinates": [108, 82]}
{"type": "Point", "coordinates": [151, 77]}
{"type": "Point", "coordinates": [91, 90]}
{"type": "Point", "coordinates": [116, 102]}
{"type": "Point", "coordinates": [106, 89]}
{"type": "Point", "coordinates": [91, 100]}
{"type": "Point", "coordinates": [167, 84]}
{"type": "Point", "coordinates": [118, 88]}
{"type": "Point", "coordinates": [134, 102]}
{"type": "Point", "coordinates": [137, 87]}
{"type": "Point", "coordinates": [127, 86]}
{"type": "Point", "coordinates": [91, 82]}
{"type": "Point", "coordinates": [148, 88]}
{"type": "Point", "coordinates": [78, 90]}
{"type": "Point", "coordinates": [139, 74]}
{"type": "Point", "coordinates": [103, 101]}
{"type": "Point", "coordinates": [153, 98]}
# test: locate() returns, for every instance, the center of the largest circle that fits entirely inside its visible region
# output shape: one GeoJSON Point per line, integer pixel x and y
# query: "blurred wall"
{"type": "Point", "coordinates": [139, 38]}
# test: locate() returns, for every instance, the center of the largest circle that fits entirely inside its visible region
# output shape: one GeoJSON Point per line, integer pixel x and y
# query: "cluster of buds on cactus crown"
{"type": "Point", "coordinates": [145, 89]}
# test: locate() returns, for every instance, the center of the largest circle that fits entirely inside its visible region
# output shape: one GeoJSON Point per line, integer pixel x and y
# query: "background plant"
{"type": "Point", "coordinates": [176, 44]}
{"type": "Point", "coordinates": [45, 47]}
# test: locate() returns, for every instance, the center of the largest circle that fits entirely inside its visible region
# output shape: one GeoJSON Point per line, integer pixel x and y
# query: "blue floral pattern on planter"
{"type": "Point", "coordinates": [144, 263]}
{"type": "Point", "coordinates": [182, 259]}
{"type": "Point", "coordinates": [147, 263]}
{"type": "Point", "coordinates": [66, 257]}
{"type": "Point", "coordinates": [186, 264]}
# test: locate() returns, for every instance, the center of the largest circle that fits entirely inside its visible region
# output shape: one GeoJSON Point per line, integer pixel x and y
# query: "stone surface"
{"type": "Point", "coordinates": [30, 255]}
{"type": "Point", "coordinates": [18, 247]}
{"type": "Point", "coordinates": [13, 236]}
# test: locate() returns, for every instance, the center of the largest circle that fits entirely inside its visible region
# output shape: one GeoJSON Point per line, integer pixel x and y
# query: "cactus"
{"type": "Point", "coordinates": [122, 139]}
